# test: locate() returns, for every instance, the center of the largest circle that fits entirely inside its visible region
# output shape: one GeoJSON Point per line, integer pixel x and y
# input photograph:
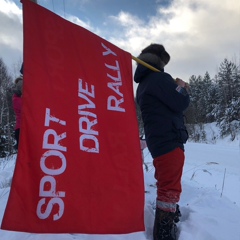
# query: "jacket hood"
{"type": "Point", "coordinates": [141, 72]}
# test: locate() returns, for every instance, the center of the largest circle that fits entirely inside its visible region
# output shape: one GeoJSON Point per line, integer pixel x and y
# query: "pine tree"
{"type": "Point", "coordinates": [208, 98]}
{"type": "Point", "coordinates": [7, 118]}
{"type": "Point", "coordinates": [139, 118]}
{"type": "Point", "coordinates": [227, 110]}
{"type": "Point", "coordinates": [196, 110]}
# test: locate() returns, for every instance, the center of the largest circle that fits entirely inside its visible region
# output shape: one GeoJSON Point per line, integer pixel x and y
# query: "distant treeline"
{"type": "Point", "coordinates": [212, 100]}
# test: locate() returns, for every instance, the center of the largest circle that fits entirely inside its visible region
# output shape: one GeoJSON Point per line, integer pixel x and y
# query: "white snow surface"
{"type": "Point", "coordinates": [210, 201]}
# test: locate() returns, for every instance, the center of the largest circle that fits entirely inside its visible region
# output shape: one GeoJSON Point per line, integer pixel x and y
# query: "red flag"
{"type": "Point", "coordinates": [79, 165]}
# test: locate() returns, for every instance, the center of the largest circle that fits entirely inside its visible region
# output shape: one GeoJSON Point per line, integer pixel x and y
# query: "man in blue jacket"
{"type": "Point", "coordinates": [162, 101]}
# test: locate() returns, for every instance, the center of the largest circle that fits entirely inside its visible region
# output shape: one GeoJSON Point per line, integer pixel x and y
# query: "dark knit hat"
{"type": "Point", "coordinates": [17, 89]}
{"type": "Point", "coordinates": [156, 55]}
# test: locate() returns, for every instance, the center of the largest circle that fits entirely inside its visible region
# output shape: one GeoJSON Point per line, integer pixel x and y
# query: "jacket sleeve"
{"type": "Point", "coordinates": [17, 105]}
{"type": "Point", "coordinates": [168, 92]}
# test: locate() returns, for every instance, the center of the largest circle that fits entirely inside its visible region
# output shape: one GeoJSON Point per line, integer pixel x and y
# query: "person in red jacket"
{"type": "Point", "coordinates": [17, 106]}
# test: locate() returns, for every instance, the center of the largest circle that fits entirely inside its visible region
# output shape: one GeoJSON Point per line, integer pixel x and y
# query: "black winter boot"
{"type": "Point", "coordinates": [177, 214]}
{"type": "Point", "coordinates": [164, 225]}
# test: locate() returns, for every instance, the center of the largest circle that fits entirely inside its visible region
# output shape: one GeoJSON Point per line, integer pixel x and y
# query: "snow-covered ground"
{"type": "Point", "coordinates": [210, 202]}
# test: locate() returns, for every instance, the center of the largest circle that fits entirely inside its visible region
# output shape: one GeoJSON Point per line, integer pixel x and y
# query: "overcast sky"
{"type": "Point", "coordinates": [198, 34]}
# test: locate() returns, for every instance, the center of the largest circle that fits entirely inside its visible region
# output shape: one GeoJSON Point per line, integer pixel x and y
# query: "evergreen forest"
{"type": "Point", "coordinates": [213, 99]}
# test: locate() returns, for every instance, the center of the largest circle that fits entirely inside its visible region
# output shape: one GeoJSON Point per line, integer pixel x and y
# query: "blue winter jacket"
{"type": "Point", "coordinates": [162, 109]}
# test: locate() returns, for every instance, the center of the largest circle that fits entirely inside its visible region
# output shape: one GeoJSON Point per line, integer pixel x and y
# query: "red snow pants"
{"type": "Point", "coordinates": [168, 173]}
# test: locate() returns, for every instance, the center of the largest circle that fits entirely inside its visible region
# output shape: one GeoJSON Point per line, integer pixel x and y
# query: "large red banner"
{"type": "Point", "coordinates": [79, 166]}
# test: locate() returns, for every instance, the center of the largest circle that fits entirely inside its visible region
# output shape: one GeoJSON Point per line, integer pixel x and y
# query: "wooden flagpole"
{"type": "Point", "coordinates": [145, 64]}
